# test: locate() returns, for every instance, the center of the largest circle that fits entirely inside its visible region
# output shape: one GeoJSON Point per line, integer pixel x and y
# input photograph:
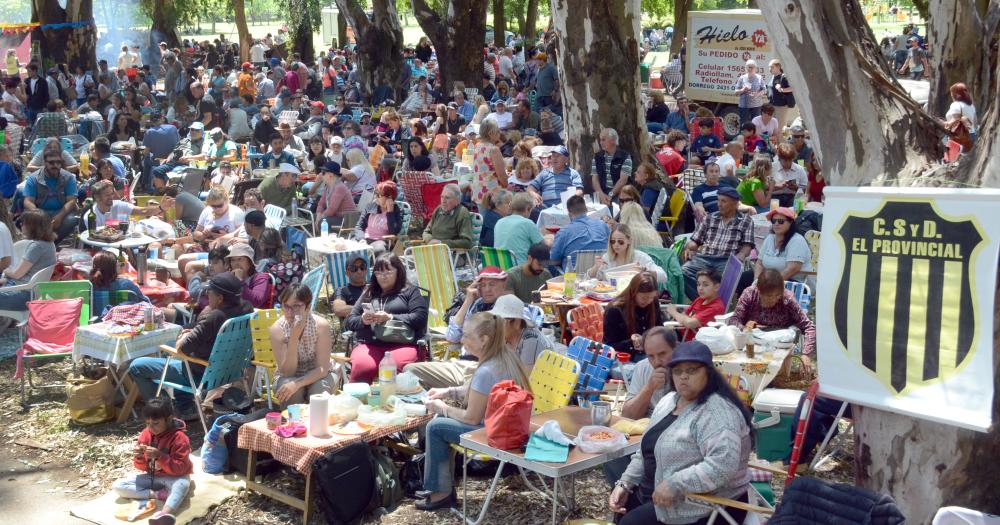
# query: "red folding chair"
{"type": "Point", "coordinates": [412, 182]}
{"type": "Point", "coordinates": [431, 195]}
{"type": "Point", "coordinates": [51, 329]}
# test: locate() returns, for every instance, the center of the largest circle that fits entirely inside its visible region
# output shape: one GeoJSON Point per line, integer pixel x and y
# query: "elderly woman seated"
{"type": "Point", "coordinates": [301, 343]}
{"type": "Point", "coordinates": [451, 223]}
{"type": "Point", "coordinates": [698, 441]}
{"type": "Point", "coordinates": [768, 305]}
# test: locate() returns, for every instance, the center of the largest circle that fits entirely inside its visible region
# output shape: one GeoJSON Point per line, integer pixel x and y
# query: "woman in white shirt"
{"type": "Point", "coordinates": [784, 249]}
{"type": "Point", "coordinates": [961, 109]}
{"type": "Point", "coordinates": [360, 176]}
{"type": "Point", "coordinates": [622, 252]}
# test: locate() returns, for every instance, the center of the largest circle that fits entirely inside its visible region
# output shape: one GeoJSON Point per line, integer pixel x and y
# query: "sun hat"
{"type": "Point", "coordinates": [510, 307]}
{"type": "Point", "coordinates": [786, 212]}
{"type": "Point", "coordinates": [691, 352]}
{"type": "Point", "coordinates": [492, 272]}
{"type": "Point", "coordinates": [285, 167]}
{"type": "Point", "coordinates": [240, 249]}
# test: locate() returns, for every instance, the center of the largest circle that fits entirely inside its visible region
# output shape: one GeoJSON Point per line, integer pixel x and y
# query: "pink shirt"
{"type": "Point", "coordinates": [336, 201]}
{"type": "Point", "coordinates": [378, 226]}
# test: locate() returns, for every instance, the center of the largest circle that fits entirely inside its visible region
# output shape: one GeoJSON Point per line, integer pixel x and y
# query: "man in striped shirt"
{"type": "Point", "coordinates": [611, 168]}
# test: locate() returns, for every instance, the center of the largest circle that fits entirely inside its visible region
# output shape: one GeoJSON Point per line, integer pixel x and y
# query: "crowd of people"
{"type": "Point", "coordinates": [194, 114]}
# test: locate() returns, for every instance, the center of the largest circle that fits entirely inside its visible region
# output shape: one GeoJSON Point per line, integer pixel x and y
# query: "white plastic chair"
{"type": "Point", "coordinates": [275, 215]}
{"type": "Point", "coordinates": [19, 248]}
{"type": "Point", "coordinates": [41, 276]}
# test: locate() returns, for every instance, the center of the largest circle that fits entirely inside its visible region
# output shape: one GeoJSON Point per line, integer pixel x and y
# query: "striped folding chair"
{"type": "Point", "coordinates": [412, 181]}
{"type": "Point", "coordinates": [336, 265]}
{"type": "Point", "coordinates": [498, 257]}
{"type": "Point", "coordinates": [435, 272]}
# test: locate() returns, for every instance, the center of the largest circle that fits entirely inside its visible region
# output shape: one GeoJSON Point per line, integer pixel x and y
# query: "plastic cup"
{"type": "Point", "coordinates": [273, 420]}
{"type": "Point", "coordinates": [623, 357]}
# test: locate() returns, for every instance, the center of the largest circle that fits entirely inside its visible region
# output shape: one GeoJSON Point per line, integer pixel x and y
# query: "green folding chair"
{"type": "Point", "coordinates": [498, 257]}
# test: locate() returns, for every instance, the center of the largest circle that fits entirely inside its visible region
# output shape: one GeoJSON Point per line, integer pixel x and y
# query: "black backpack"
{"type": "Point", "coordinates": [808, 220]}
{"type": "Point", "coordinates": [345, 480]}
{"type": "Point", "coordinates": [237, 461]}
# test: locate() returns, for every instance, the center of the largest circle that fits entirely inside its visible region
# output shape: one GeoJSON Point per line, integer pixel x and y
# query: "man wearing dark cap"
{"type": "Point", "coordinates": [253, 225]}
{"type": "Point", "coordinates": [530, 276]}
{"type": "Point", "coordinates": [160, 140]}
{"type": "Point", "coordinates": [346, 296]}
{"type": "Point", "coordinates": [721, 235]}
{"type": "Point", "coordinates": [549, 185]}
{"type": "Point", "coordinates": [224, 302]}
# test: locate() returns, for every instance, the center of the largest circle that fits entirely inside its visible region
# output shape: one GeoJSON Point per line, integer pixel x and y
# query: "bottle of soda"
{"type": "Point", "coordinates": [387, 376]}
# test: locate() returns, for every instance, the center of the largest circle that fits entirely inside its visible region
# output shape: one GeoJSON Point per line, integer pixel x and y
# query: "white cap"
{"type": "Point", "coordinates": [337, 139]}
{"type": "Point", "coordinates": [285, 167]}
{"type": "Point", "coordinates": [510, 307]}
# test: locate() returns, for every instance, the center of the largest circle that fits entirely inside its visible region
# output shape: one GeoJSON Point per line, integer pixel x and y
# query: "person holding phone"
{"type": "Point", "coordinates": [301, 343]}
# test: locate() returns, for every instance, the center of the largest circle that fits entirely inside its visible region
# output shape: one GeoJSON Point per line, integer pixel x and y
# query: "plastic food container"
{"type": "Point", "coordinates": [358, 390]}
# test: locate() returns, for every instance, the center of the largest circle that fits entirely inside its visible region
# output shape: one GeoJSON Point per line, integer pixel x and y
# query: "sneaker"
{"type": "Point", "coordinates": [162, 518]}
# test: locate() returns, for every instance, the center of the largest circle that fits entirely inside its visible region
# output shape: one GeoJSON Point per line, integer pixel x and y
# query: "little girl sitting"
{"type": "Point", "coordinates": [162, 456]}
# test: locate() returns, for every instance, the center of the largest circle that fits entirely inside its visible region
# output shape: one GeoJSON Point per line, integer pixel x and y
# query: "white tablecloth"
{"type": "Point", "coordinates": [127, 242]}
{"type": "Point", "coordinates": [557, 216]}
{"type": "Point", "coordinates": [94, 341]}
{"type": "Point", "coordinates": [324, 251]}
{"type": "Point", "coordinates": [758, 372]}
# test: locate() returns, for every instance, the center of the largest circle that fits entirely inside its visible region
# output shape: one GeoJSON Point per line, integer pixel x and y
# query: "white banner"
{"type": "Point", "coordinates": [904, 312]}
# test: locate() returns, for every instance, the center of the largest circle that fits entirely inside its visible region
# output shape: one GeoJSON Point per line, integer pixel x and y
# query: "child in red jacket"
{"type": "Point", "coordinates": [162, 456]}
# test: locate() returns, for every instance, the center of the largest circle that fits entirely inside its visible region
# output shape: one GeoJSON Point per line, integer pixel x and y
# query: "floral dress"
{"type": "Point", "coordinates": [484, 178]}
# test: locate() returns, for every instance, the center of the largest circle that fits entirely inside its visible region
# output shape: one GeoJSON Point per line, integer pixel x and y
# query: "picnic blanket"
{"type": "Point", "coordinates": [209, 491]}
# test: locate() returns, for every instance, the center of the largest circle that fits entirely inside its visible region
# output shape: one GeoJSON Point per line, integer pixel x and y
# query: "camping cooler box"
{"type": "Point", "coordinates": [773, 416]}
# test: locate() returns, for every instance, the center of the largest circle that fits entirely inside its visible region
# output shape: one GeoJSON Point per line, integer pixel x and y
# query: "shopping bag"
{"type": "Point", "coordinates": [508, 414]}
{"type": "Point", "coordinates": [90, 401]}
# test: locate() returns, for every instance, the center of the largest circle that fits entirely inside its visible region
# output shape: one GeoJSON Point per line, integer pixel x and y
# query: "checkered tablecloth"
{"type": "Point", "coordinates": [94, 341]}
{"type": "Point", "coordinates": [301, 452]}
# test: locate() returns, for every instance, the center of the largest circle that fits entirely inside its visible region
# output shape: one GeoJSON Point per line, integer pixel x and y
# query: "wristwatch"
{"type": "Point", "coordinates": [629, 487]}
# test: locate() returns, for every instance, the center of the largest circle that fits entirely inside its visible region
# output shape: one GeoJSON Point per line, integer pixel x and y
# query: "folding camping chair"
{"type": "Point", "coordinates": [263, 355]}
{"type": "Point", "coordinates": [553, 379]}
{"type": "Point", "coordinates": [50, 330]}
{"type": "Point", "coordinates": [40, 276]}
{"type": "Point", "coordinates": [596, 360]}
{"type": "Point", "coordinates": [587, 321]}
{"type": "Point", "coordinates": [230, 355]}
{"type": "Point", "coordinates": [677, 201]}
{"type": "Point", "coordinates": [274, 216]}
{"type": "Point", "coordinates": [314, 279]}
{"type": "Point", "coordinates": [498, 257]}
{"type": "Point", "coordinates": [667, 259]}
{"type": "Point", "coordinates": [435, 272]}
{"type": "Point", "coordinates": [406, 212]}
{"type": "Point", "coordinates": [471, 254]}
{"type": "Point", "coordinates": [730, 279]}
{"type": "Point", "coordinates": [412, 181]}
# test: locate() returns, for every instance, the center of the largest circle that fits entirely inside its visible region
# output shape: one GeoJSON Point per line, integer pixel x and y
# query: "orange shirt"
{"type": "Point", "coordinates": [246, 85]}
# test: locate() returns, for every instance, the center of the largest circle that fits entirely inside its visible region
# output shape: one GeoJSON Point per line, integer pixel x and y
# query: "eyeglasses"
{"type": "Point", "coordinates": [686, 372]}
{"type": "Point", "coordinates": [357, 268]}
{"type": "Point", "coordinates": [622, 242]}
{"type": "Point", "coordinates": [779, 221]}
{"type": "Point", "coordinates": [384, 273]}
{"type": "Point", "coordinates": [217, 206]}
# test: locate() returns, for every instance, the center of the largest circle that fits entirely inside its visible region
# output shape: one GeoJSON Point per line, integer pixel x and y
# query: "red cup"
{"type": "Point", "coordinates": [623, 357]}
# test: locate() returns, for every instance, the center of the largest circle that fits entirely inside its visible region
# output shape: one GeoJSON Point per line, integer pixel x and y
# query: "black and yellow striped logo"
{"type": "Point", "coordinates": [904, 307]}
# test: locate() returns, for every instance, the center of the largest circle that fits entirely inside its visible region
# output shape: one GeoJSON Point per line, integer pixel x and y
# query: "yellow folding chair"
{"type": "Point", "coordinates": [553, 379]}
{"type": "Point", "coordinates": [435, 272]}
{"type": "Point", "coordinates": [677, 201]}
{"type": "Point", "coordinates": [263, 354]}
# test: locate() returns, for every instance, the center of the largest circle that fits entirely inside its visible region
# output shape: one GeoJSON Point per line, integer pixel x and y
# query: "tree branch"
{"type": "Point", "coordinates": [428, 18]}
{"type": "Point", "coordinates": [355, 15]}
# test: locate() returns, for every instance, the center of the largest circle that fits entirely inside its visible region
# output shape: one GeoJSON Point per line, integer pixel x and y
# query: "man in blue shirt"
{"type": "Point", "coordinates": [102, 151]}
{"type": "Point", "coordinates": [549, 185]}
{"type": "Point", "coordinates": [582, 233]}
{"type": "Point", "coordinates": [277, 155]}
{"type": "Point", "coordinates": [679, 119]}
{"type": "Point", "coordinates": [160, 140]}
{"type": "Point", "coordinates": [53, 190]}
{"type": "Point", "coordinates": [465, 108]}
{"type": "Point", "coordinates": [545, 82]}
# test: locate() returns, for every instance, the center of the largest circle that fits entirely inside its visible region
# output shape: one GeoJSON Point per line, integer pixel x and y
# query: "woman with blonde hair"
{"type": "Point", "coordinates": [755, 189]}
{"type": "Point", "coordinates": [484, 337]}
{"type": "Point", "coordinates": [489, 171]}
{"type": "Point", "coordinates": [643, 232]}
{"type": "Point", "coordinates": [359, 175]}
{"type": "Point", "coordinates": [622, 252]}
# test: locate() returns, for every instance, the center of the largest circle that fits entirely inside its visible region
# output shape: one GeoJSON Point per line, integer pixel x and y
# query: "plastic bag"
{"type": "Point", "coordinates": [508, 416]}
{"type": "Point", "coordinates": [377, 417]}
{"type": "Point", "coordinates": [784, 338]}
{"type": "Point", "coordinates": [594, 439]}
{"type": "Point", "coordinates": [343, 408]}
{"type": "Point", "coordinates": [721, 340]}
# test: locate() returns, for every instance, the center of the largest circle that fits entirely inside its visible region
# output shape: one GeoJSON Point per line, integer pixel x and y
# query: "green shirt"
{"type": "Point", "coordinates": [746, 190]}
{"type": "Point", "coordinates": [273, 194]}
{"type": "Point", "coordinates": [453, 228]}
{"type": "Point", "coordinates": [517, 234]}
{"type": "Point", "coordinates": [522, 283]}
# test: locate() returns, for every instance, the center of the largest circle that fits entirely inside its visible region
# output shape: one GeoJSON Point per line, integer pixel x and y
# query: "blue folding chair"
{"type": "Point", "coordinates": [230, 356]}
{"type": "Point", "coordinates": [595, 361]}
{"type": "Point", "coordinates": [314, 281]}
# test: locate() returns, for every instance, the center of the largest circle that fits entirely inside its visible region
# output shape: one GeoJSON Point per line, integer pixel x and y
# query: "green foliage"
{"type": "Point", "coordinates": [658, 8]}
{"type": "Point", "coordinates": [15, 11]}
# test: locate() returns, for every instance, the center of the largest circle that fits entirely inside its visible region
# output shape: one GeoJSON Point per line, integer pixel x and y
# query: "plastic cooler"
{"type": "Point", "coordinates": [773, 416]}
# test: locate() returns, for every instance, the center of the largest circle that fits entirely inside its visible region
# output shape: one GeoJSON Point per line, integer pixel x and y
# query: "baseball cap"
{"type": "Point", "coordinates": [247, 65]}
{"type": "Point", "coordinates": [561, 150]}
{"type": "Point", "coordinates": [317, 104]}
{"type": "Point", "coordinates": [452, 105]}
{"type": "Point", "coordinates": [216, 132]}
{"type": "Point", "coordinates": [332, 167]}
{"type": "Point", "coordinates": [510, 307]}
{"type": "Point", "coordinates": [728, 191]}
{"type": "Point", "coordinates": [226, 283]}
{"type": "Point", "coordinates": [285, 167]}
{"type": "Point", "coordinates": [197, 126]}
{"type": "Point", "coordinates": [337, 139]}
{"type": "Point", "coordinates": [240, 249]}
{"type": "Point", "coordinates": [255, 217]}
{"type": "Point", "coordinates": [691, 352]}
{"type": "Point", "coordinates": [786, 212]}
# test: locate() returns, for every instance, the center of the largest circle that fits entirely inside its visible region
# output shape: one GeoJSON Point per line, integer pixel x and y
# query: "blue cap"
{"type": "Point", "coordinates": [691, 352]}
{"type": "Point", "coordinates": [561, 150]}
{"type": "Point", "coordinates": [728, 191]}
{"type": "Point", "coordinates": [332, 167]}
{"type": "Point", "coordinates": [274, 61]}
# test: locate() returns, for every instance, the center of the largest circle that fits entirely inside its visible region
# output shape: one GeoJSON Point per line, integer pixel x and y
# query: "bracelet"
{"type": "Point", "coordinates": [628, 487]}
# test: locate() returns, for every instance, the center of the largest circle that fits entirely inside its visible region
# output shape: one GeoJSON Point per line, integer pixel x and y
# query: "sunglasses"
{"type": "Point", "coordinates": [356, 268]}
{"type": "Point", "coordinates": [779, 221]}
{"type": "Point", "coordinates": [622, 242]}
{"type": "Point", "coordinates": [217, 206]}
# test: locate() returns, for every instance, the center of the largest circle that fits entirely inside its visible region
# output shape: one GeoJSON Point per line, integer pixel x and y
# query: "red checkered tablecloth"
{"type": "Point", "coordinates": [301, 452]}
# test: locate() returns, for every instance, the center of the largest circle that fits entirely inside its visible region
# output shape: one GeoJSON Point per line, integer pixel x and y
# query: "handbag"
{"type": "Point", "coordinates": [394, 331]}
{"type": "Point", "coordinates": [508, 416]}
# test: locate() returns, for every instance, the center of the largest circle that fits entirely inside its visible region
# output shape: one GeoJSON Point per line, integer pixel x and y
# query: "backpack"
{"type": "Point", "coordinates": [808, 220]}
{"type": "Point", "coordinates": [346, 484]}
{"type": "Point", "coordinates": [388, 488]}
{"type": "Point", "coordinates": [236, 460]}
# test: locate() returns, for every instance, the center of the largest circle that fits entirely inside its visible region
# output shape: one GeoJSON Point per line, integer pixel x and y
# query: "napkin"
{"type": "Point", "coordinates": [542, 449]}
{"type": "Point", "coordinates": [553, 432]}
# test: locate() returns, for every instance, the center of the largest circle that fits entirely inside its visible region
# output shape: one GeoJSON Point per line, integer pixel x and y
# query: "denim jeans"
{"type": "Point", "coordinates": [138, 485]}
{"type": "Point", "coordinates": [697, 264]}
{"type": "Point", "coordinates": [748, 114]}
{"type": "Point", "coordinates": [438, 467]}
{"type": "Point", "coordinates": [145, 369]}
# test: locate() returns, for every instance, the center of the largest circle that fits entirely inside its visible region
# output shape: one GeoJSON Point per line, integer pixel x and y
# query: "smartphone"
{"type": "Point", "coordinates": [367, 308]}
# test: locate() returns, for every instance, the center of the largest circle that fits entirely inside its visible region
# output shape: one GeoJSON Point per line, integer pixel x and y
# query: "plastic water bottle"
{"type": "Point", "coordinates": [324, 228]}
{"type": "Point", "coordinates": [387, 376]}
{"type": "Point", "coordinates": [295, 207]}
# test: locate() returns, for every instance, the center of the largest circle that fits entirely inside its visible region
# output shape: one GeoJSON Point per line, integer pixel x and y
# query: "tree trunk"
{"type": "Point", "coordinates": [530, 21]}
{"type": "Point", "coordinates": [499, 24]}
{"type": "Point", "coordinates": [239, 8]}
{"type": "Point", "coordinates": [164, 29]}
{"type": "Point", "coordinates": [457, 37]}
{"type": "Point", "coordinates": [300, 36]}
{"type": "Point", "coordinates": [380, 43]}
{"type": "Point", "coordinates": [681, 8]}
{"type": "Point", "coordinates": [951, 39]}
{"type": "Point", "coordinates": [74, 46]}
{"type": "Point", "coordinates": [599, 76]}
{"type": "Point", "coordinates": [867, 131]}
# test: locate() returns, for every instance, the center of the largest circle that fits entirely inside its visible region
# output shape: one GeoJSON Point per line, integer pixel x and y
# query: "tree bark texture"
{"type": "Point", "coordinates": [867, 131]}
{"type": "Point", "coordinates": [530, 21]}
{"type": "Point", "coordinates": [952, 38]}
{"type": "Point", "coordinates": [300, 37]}
{"type": "Point", "coordinates": [162, 25]}
{"type": "Point", "coordinates": [239, 8]}
{"type": "Point", "coordinates": [74, 46]}
{"type": "Point", "coordinates": [598, 62]}
{"type": "Point", "coordinates": [457, 36]}
{"type": "Point", "coordinates": [380, 43]}
{"type": "Point", "coordinates": [681, 8]}
{"type": "Point", "coordinates": [499, 24]}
